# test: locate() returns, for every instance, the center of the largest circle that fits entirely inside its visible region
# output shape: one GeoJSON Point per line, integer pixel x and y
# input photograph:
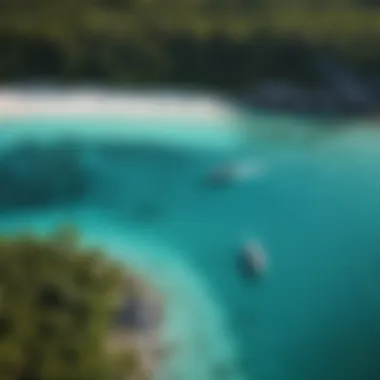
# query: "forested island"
{"type": "Point", "coordinates": [264, 51]}
{"type": "Point", "coordinates": [71, 312]}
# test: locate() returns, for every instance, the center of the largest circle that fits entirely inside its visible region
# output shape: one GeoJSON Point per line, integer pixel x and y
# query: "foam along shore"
{"type": "Point", "coordinates": [76, 102]}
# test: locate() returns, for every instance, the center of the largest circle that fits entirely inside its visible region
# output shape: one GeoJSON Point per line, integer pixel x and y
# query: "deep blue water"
{"type": "Point", "coordinates": [316, 208]}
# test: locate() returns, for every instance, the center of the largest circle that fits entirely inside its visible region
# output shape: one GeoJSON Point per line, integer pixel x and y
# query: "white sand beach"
{"type": "Point", "coordinates": [19, 102]}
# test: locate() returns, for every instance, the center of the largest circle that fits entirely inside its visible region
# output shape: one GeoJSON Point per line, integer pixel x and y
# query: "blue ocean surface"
{"type": "Point", "coordinates": [138, 189]}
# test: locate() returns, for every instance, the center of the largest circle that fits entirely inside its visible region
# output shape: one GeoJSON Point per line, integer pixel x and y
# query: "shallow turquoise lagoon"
{"type": "Point", "coordinates": [137, 188]}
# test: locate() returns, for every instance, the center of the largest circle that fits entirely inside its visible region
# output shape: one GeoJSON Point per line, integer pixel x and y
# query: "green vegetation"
{"type": "Point", "coordinates": [57, 302]}
{"type": "Point", "coordinates": [222, 43]}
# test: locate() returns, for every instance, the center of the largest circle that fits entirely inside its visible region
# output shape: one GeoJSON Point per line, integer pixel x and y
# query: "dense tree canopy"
{"type": "Point", "coordinates": [211, 42]}
{"type": "Point", "coordinates": [68, 312]}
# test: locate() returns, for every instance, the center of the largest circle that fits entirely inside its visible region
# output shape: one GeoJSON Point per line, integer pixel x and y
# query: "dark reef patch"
{"type": "Point", "coordinates": [34, 175]}
{"type": "Point", "coordinates": [37, 175]}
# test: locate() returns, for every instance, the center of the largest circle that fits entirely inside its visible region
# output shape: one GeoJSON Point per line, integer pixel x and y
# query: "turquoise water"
{"type": "Point", "coordinates": [315, 207]}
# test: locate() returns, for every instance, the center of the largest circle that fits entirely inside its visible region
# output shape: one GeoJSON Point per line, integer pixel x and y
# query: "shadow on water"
{"type": "Point", "coordinates": [317, 313]}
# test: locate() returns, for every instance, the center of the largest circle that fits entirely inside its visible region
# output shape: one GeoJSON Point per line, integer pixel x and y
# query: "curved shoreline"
{"type": "Point", "coordinates": [185, 293]}
{"type": "Point", "coordinates": [76, 102]}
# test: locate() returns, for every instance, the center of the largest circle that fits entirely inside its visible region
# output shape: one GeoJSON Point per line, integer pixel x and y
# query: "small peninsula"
{"type": "Point", "coordinates": [70, 312]}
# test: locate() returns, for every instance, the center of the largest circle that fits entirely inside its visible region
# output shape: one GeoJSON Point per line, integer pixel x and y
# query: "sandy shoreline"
{"type": "Point", "coordinates": [25, 103]}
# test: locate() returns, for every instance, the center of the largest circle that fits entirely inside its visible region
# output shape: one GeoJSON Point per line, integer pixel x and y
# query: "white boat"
{"type": "Point", "coordinates": [235, 172]}
{"type": "Point", "coordinates": [253, 259]}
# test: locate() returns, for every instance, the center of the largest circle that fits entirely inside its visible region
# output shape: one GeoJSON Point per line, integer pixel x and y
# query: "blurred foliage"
{"type": "Point", "coordinates": [214, 42]}
{"type": "Point", "coordinates": [56, 304]}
